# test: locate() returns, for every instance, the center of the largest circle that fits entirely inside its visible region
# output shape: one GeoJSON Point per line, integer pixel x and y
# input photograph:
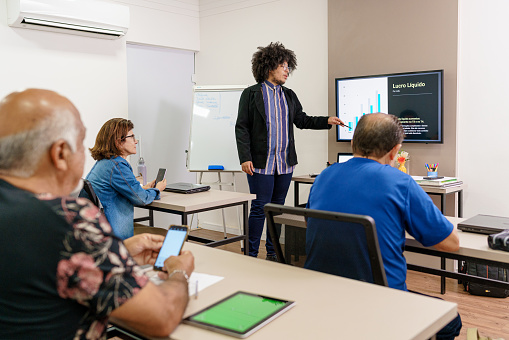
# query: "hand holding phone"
{"type": "Point", "coordinates": [172, 245]}
{"type": "Point", "coordinates": [161, 174]}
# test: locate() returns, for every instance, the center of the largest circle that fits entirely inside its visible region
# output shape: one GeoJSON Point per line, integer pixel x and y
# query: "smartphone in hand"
{"type": "Point", "coordinates": [161, 174]}
{"type": "Point", "coordinates": [172, 245]}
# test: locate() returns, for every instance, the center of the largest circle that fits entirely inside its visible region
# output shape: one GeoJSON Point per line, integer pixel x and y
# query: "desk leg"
{"type": "Point", "coordinates": [442, 278]}
{"type": "Point", "coordinates": [442, 203]}
{"type": "Point", "coordinates": [296, 194]}
{"type": "Point", "coordinates": [460, 203]}
{"type": "Point", "coordinates": [245, 216]}
{"type": "Point", "coordinates": [184, 219]}
{"type": "Point", "coordinates": [151, 217]}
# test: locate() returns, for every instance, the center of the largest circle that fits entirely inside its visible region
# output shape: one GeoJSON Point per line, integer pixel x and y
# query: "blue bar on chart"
{"type": "Point", "coordinates": [379, 110]}
{"type": "Point", "coordinates": [356, 121]}
{"type": "Point", "coordinates": [350, 125]}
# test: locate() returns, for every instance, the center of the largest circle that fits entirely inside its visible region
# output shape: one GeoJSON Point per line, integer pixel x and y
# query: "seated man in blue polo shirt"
{"type": "Point", "coordinates": [368, 185]}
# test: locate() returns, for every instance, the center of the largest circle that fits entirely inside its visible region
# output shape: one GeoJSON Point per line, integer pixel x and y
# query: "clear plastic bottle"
{"type": "Point", "coordinates": [142, 168]}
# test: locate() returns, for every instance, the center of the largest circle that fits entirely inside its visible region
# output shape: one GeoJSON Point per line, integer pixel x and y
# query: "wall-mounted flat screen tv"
{"type": "Point", "coordinates": [416, 98]}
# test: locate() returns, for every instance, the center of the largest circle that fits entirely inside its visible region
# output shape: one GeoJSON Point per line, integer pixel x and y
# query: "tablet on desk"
{"type": "Point", "coordinates": [240, 314]}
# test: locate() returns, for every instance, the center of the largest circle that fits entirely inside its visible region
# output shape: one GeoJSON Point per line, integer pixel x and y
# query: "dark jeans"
{"type": "Point", "coordinates": [452, 329]}
{"type": "Point", "coordinates": [268, 189]}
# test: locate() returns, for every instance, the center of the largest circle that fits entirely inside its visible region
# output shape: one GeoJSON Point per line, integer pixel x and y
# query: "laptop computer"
{"type": "Point", "coordinates": [484, 224]}
{"type": "Point", "coordinates": [343, 157]}
{"type": "Point", "coordinates": [186, 188]}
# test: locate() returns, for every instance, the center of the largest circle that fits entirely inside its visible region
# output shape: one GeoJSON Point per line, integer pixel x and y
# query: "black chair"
{"type": "Point", "coordinates": [351, 250]}
{"type": "Point", "coordinates": [88, 192]}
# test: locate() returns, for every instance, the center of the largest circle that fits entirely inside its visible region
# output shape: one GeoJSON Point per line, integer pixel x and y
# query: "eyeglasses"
{"type": "Point", "coordinates": [134, 138]}
{"type": "Point", "coordinates": [286, 68]}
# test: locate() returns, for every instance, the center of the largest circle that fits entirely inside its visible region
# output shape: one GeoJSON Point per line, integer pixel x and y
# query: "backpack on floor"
{"type": "Point", "coordinates": [491, 272]}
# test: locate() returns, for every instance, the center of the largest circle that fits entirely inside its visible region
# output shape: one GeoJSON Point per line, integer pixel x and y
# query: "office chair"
{"type": "Point", "coordinates": [88, 192]}
{"type": "Point", "coordinates": [353, 253]}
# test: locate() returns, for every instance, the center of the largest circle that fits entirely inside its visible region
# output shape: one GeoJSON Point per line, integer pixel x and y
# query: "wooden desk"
{"type": "Point", "coordinates": [442, 192]}
{"type": "Point", "coordinates": [473, 247]}
{"type": "Point", "coordinates": [327, 306]}
{"type": "Point", "coordinates": [187, 204]}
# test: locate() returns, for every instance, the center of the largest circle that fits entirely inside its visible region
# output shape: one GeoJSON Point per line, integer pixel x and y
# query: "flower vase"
{"type": "Point", "coordinates": [402, 167]}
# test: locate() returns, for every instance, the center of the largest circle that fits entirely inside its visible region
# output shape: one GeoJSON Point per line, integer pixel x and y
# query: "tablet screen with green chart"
{"type": "Point", "coordinates": [240, 314]}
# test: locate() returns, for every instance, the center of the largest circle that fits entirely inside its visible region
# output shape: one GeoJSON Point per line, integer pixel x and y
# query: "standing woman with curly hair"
{"type": "Point", "coordinates": [264, 133]}
{"type": "Point", "coordinates": [112, 177]}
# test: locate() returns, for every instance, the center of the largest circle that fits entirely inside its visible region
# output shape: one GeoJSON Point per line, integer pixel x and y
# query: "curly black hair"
{"type": "Point", "coordinates": [269, 58]}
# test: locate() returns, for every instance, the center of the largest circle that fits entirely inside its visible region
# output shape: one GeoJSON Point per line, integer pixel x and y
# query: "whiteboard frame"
{"type": "Point", "coordinates": [209, 88]}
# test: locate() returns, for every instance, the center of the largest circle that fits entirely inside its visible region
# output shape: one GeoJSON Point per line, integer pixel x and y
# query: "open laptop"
{"type": "Point", "coordinates": [484, 224]}
{"type": "Point", "coordinates": [343, 157]}
{"type": "Point", "coordinates": [186, 188]}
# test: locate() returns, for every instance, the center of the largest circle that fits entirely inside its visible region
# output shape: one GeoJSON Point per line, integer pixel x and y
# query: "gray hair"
{"type": "Point", "coordinates": [20, 153]}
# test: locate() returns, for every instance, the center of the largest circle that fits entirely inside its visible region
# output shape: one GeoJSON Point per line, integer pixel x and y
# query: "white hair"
{"type": "Point", "coordinates": [20, 153]}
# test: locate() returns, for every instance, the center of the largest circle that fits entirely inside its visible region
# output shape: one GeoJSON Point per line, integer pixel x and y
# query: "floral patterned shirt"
{"type": "Point", "coordinates": [71, 270]}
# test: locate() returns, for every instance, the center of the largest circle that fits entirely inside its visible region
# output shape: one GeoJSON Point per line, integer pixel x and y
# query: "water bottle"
{"type": "Point", "coordinates": [142, 168]}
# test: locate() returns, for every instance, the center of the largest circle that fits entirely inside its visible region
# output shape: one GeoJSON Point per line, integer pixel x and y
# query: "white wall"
{"type": "Point", "coordinates": [230, 35]}
{"type": "Point", "coordinates": [168, 23]}
{"type": "Point", "coordinates": [483, 106]}
{"type": "Point", "coordinates": [91, 72]}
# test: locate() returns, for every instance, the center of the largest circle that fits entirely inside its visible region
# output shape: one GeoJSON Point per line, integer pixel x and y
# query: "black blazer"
{"type": "Point", "coordinates": [251, 126]}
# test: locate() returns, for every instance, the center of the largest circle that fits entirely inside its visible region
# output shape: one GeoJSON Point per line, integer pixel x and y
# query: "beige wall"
{"type": "Point", "coordinates": [378, 37]}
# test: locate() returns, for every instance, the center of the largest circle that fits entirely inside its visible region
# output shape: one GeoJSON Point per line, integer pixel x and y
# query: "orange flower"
{"type": "Point", "coordinates": [401, 159]}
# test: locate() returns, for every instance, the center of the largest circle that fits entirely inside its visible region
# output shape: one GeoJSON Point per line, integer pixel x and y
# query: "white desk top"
{"type": "Point", "coordinates": [471, 244]}
{"type": "Point", "coordinates": [199, 200]}
{"type": "Point", "coordinates": [327, 306]}
{"type": "Point", "coordinates": [426, 188]}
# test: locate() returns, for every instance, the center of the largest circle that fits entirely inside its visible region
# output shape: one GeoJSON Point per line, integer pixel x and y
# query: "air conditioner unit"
{"type": "Point", "coordinates": [93, 18]}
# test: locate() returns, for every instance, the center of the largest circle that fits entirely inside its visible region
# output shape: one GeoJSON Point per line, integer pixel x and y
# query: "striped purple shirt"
{"type": "Point", "coordinates": [276, 111]}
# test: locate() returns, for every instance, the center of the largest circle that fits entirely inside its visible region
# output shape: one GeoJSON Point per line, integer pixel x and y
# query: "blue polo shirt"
{"type": "Point", "coordinates": [392, 198]}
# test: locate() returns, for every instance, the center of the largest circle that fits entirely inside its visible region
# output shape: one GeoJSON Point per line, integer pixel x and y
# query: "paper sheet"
{"type": "Point", "coordinates": [197, 281]}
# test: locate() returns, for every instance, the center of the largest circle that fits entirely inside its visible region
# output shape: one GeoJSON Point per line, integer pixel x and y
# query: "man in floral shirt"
{"type": "Point", "coordinates": [63, 270]}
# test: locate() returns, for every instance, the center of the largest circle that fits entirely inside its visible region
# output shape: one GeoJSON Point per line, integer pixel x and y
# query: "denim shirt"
{"type": "Point", "coordinates": [119, 191]}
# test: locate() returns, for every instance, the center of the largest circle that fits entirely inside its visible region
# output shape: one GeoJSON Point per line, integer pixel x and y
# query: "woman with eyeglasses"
{"type": "Point", "coordinates": [112, 177]}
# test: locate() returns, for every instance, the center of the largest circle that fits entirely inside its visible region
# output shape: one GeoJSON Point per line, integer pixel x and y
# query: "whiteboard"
{"type": "Point", "coordinates": [212, 138]}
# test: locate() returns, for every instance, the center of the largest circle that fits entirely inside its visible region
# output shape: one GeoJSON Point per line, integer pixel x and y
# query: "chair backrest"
{"type": "Point", "coordinates": [350, 249]}
{"type": "Point", "coordinates": [88, 192]}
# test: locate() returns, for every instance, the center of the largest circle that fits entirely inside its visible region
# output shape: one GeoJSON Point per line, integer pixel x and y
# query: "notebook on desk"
{"type": "Point", "coordinates": [186, 188]}
{"type": "Point", "coordinates": [484, 224]}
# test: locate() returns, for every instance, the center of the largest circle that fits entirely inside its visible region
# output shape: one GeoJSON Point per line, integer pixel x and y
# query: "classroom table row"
{"type": "Point", "coordinates": [327, 306]}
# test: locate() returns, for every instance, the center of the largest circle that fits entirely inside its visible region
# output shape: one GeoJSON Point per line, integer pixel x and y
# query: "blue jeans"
{"type": "Point", "coordinates": [268, 189]}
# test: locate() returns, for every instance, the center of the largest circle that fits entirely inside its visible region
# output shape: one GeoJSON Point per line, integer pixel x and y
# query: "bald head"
{"type": "Point", "coordinates": [23, 111]}
{"type": "Point", "coordinates": [376, 134]}
{"type": "Point", "coordinates": [32, 120]}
